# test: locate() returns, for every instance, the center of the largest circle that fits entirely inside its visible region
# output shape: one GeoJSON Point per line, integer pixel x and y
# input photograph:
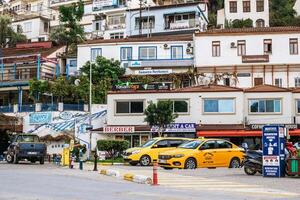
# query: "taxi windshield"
{"type": "Point", "coordinates": [191, 144]}
{"type": "Point", "coordinates": [149, 143]}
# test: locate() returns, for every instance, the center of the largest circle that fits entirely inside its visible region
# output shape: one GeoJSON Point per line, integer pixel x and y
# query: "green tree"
{"type": "Point", "coordinates": [104, 73]}
{"type": "Point", "coordinates": [239, 23]}
{"type": "Point", "coordinates": [282, 13]}
{"type": "Point", "coordinates": [60, 88]}
{"type": "Point", "coordinates": [8, 37]}
{"type": "Point", "coordinates": [160, 115]}
{"type": "Point", "coordinates": [38, 88]}
{"type": "Point", "coordinates": [69, 33]}
{"type": "Point", "coordinates": [113, 147]}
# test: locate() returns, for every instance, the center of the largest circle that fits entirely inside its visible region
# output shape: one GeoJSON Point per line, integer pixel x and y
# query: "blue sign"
{"type": "Point", "coordinates": [40, 118]}
{"type": "Point", "coordinates": [177, 127]}
{"type": "Point", "coordinates": [273, 142]}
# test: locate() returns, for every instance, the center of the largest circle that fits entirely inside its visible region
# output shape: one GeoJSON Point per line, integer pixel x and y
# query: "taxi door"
{"type": "Point", "coordinates": [208, 154]}
{"type": "Point", "coordinates": [159, 147]}
{"type": "Point", "coordinates": [225, 152]}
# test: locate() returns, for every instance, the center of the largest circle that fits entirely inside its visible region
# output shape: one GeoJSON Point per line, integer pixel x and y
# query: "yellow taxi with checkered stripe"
{"type": "Point", "coordinates": [202, 153]}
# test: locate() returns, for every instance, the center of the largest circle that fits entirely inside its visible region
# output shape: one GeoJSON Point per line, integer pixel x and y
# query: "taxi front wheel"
{"type": "Point", "coordinates": [234, 163]}
{"type": "Point", "coordinates": [145, 160]}
{"type": "Point", "coordinates": [190, 163]}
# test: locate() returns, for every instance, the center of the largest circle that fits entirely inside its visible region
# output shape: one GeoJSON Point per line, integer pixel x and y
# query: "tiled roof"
{"type": "Point", "coordinates": [27, 51]}
{"type": "Point", "coordinates": [296, 90]}
{"type": "Point", "coordinates": [208, 88]}
{"type": "Point", "coordinates": [262, 30]}
{"type": "Point", "coordinates": [183, 37]}
{"type": "Point", "coordinates": [266, 88]}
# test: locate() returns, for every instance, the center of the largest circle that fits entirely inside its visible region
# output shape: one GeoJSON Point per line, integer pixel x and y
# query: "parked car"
{"type": "Point", "coordinates": [203, 153]}
{"type": "Point", "coordinates": [26, 146]}
{"type": "Point", "coordinates": [150, 150]}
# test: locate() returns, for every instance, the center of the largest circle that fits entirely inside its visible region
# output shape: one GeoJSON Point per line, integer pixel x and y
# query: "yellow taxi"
{"type": "Point", "coordinates": [203, 153]}
{"type": "Point", "coordinates": [149, 151]}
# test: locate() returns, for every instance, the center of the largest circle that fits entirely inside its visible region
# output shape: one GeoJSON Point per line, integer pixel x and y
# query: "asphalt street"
{"type": "Point", "coordinates": [42, 182]}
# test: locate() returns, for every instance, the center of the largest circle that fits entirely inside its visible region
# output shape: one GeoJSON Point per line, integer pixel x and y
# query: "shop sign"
{"type": "Point", "coordinates": [255, 58]}
{"type": "Point", "coordinates": [40, 118]}
{"type": "Point", "coordinates": [66, 115]}
{"type": "Point", "coordinates": [153, 71]}
{"type": "Point", "coordinates": [273, 151]}
{"type": "Point", "coordinates": [177, 127]}
{"type": "Point", "coordinates": [118, 129]}
{"type": "Point", "coordinates": [260, 126]}
{"type": "Point", "coordinates": [151, 86]}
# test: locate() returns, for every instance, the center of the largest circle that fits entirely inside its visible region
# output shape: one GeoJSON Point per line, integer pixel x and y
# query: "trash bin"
{"type": "Point", "coordinates": [293, 165]}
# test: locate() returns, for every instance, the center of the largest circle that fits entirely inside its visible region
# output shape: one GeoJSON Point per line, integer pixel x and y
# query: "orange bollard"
{"type": "Point", "coordinates": [155, 178]}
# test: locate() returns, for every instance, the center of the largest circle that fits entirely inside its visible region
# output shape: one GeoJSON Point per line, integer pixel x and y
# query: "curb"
{"type": "Point", "coordinates": [128, 176]}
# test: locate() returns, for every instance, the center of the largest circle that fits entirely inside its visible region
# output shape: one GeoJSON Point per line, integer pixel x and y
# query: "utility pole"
{"type": "Point", "coordinates": [140, 20]}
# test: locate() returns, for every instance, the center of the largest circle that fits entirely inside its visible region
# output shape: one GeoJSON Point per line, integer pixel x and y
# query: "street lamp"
{"type": "Point", "coordinates": [90, 100]}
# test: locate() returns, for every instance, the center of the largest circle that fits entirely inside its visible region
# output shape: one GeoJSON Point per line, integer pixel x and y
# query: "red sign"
{"type": "Point", "coordinates": [118, 129]}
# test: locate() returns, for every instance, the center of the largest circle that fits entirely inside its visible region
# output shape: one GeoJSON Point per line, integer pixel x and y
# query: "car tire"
{"type": "Point", "coordinates": [145, 160]}
{"type": "Point", "coordinates": [9, 158]}
{"type": "Point", "coordinates": [190, 163]}
{"type": "Point", "coordinates": [42, 161]}
{"type": "Point", "coordinates": [32, 161]}
{"type": "Point", "coordinates": [16, 159]}
{"type": "Point", "coordinates": [249, 171]}
{"type": "Point", "coordinates": [235, 163]}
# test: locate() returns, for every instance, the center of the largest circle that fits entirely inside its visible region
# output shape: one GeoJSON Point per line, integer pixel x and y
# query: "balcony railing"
{"type": "Point", "coordinates": [162, 63]}
{"type": "Point", "coordinates": [27, 108]}
{"type": "Point", "coordinates": [75, 107]}
{"type": "Point", "coordinates": [49, 107]}
{"type": "Point", "coordinates": [183, 24]}
{"type": "Point", "coordinates": [6, 109]}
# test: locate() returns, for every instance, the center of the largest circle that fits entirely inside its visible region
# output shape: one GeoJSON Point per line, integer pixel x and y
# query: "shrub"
{"type": "Point", "coordinates": [112, 147]}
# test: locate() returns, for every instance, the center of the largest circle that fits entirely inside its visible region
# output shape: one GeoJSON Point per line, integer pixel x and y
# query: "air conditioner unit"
{"type": "Point", "coordinates": [189, 50]}
{"type": "Point", "coordinates": [166, 46]}
{"type": "Point", "coordinates": [232, 45]}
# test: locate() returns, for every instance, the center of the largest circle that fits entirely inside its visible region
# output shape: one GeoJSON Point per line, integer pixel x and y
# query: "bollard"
{"type": "Point", "coordinates": [155, 178]}
{"type": "Point", "coordinates": [95, 161]}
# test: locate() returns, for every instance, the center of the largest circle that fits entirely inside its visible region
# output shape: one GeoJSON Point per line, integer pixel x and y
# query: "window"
{"type": "Point", "coordinates": [268, 46]}
{"type": "Point", "coordinates": [145, 24]}
{"type": "Point", "coordinates": [127, 107]}
{"type": "Point", "coordinates": [298, 105]}
{"type": "Point", "coordinates": [260, 23]}
{"type": "Point", "coordinates": [116, 21]}
{"type": "Point", "coordinates": [232, 6]}
{"type": "Point", "coordinates": [241, 47]}
{"type": "Point", "coordinates": [216, 49]}
{"type": "Point", "coordinates": [293, 46]}
{"type": "Point", "coordinates": [278, 82]}
{"type": "Point", "coordinates": [162, 144]}
{"type": "Point", "coordinates": [265, 105]}
{"type": "Point", "coordinates": [208, 145]}
{"type": "Point", "coordinates": [223, 144]}
{"type": "Point", "coordinates": [147, 53]}
{"type": "Point", "coordinates": [180, 106]}
{"type": "Point", "coordinates": [218, 105]}
{"type": "Point", "coordinates": [95, 53]}
{"type": "Point", "coordinates": [27, 27]}
{"type": "Point", "coordinates": [297, 82]}
{"type": "Point", "coordinates": [117, 35]}
{"type": "Point", "coordinates": [73, 63]}
{"type": "Point", "coordinates": [246, 6]}
{"type": "Point", "coordinates": [258, 81]}
{"type": "Point", "coordinates": [97, 26]}
{"type": "Point", "coordinates": [176, 52]}
{"type": "Point", "coordinates": [46, 27]}
{"type": "Point", "coordinates": [126, 53]}
{"type": "Point", "coordinates": [175, 143]}
{"type": "Point", "coordinates": [260, 6]}
{"type": "Point", "coordinates": [41, 39]}
{"type": "Point", "coordinates": [226, 81]}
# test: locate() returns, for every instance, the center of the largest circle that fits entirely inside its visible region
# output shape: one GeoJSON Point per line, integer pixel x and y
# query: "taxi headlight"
{"type": "Point", "coordinates": [135, 152]}
{"type": "Point", "coordinates": [178, 155]}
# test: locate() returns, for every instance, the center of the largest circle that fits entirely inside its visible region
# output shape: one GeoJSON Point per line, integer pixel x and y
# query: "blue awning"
{"type": "Point", "coordinates": [13, 84]}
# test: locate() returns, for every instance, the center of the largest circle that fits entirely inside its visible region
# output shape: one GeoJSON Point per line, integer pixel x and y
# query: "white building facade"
{"type": "Point", "coordinates": [250, 57]}
{"type": "Point", "coordinates": [256, 10]}
{"type": "Point", "coordinates": [143, 56]}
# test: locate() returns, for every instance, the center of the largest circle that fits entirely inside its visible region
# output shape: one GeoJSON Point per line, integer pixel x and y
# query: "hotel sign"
{"type": "Point", "coordinates": [255, 59]}
{"type": "Point", "coordinates": [118, 129]}
{"type": "Point", "coordinates": [260, 126]}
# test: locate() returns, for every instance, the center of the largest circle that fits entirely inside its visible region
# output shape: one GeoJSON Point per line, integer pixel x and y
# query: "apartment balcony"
{"type": "Point", "coordinates": [183, 24]}
{"type": "Point", "coordinates": [185, 62]}
{"type": "Point", "coordinates": [115, 27]}
{"type": "Point", "coordinates": [57, 3]}
{"type": "Point", "coordinates": [172, 2]}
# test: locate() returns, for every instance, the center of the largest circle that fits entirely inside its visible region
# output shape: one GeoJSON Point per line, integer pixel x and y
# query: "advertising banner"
{"type": "Point", "coordinates": [273, 151]}
{"type": "Point", "coordinates": [177, 127]}
{"type": "Point", "coordinates": [40, 118]}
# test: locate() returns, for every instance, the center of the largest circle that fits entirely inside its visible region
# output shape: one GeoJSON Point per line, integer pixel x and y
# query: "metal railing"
{"type": "Point", "coordinates": [27, 108]}
{"type": "Point", "coordinates": [75, 107]}
{"type": "Point", "coordinates": [6, 109]}
{"type": "Point", "coordinates": [49, 107]}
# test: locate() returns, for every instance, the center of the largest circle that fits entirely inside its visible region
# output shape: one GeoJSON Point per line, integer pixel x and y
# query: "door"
{"type": "Point", "coordinates": [159, 147]}
{"type": "Point", "coordinates": [224, 153]}
{"type": "Point", "coordinates": [207, 154]}
{"type": "Point", "coordinates": [258, 81]}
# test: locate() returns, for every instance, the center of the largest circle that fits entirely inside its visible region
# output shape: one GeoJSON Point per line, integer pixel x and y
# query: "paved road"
{"type": "Point", "coordinates": [33, 181]}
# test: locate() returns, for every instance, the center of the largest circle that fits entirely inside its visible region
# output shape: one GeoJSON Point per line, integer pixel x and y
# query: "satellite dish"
{"type": "Point", "coordinates": [77, 82]}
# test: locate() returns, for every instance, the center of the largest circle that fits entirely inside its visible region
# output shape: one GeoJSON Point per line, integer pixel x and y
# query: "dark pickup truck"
{"type": "Point", "coordinates": [26, 146]}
